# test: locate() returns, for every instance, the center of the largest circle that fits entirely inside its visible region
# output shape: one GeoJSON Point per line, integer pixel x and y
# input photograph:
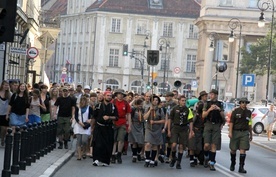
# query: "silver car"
{"type": "Point", "coordinates": [258, 112]}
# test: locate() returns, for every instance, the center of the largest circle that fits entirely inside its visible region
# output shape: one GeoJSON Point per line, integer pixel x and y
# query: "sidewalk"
{"type": "Point", "coordinates": [46, 166]}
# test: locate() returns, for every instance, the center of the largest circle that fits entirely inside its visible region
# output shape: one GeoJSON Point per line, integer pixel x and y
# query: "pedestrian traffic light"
{"type": "Point", "coordinates": [148, 87]}
{"type": "Point", "coordinates": [125, 49]}
{"type": "Point", "coordinates": [7, 20]}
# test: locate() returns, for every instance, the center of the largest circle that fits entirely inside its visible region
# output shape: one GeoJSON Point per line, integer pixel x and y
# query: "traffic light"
{"type": "Point", "coordinates": [221, 66]}
{"type": "Point", "coordinates": [153, 57]}
{"type": "Point", "coordinates": [7, 20]}
{"type": "Point", "coordinates": [125, 49]}
{"type": "Point", "coordinates": [155, 84]}
{"type": "Point", "coordinates": [148, 87]}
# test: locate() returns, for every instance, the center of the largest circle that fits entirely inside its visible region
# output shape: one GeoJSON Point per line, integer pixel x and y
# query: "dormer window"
{"type": "Point", "coordinates": [156, 4]}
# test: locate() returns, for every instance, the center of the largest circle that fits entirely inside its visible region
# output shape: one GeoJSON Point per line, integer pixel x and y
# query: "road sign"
{"type": "Point", "coordinates": [248, 80]}
{"type": "Point", "coordinates": [32, 52]}
{"type": "Point", "coordinates": [2, 46]}
{"type": "Point", "coordinates": [17, 50]}
{"type": "Point", "coordinates": [153, 57]}
{"type": "Point", "coordinates": [176, 70]}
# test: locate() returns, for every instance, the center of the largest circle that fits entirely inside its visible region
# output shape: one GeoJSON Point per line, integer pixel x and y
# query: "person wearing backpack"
{"type": "Point", "coordinates": [124, 111]}
{"type": "Point", "coordinates": [179, 118]}
{"type": "Point", "coordinates": [136, 136]}
{"type": "Point", "coordinates": [155, 119]}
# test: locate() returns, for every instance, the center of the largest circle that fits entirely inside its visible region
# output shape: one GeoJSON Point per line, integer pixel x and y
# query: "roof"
{"type": "Point", "coordinates": [174, 8]}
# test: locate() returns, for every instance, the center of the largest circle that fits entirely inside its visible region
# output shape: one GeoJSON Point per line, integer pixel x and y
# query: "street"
{"type": "Point", "coordinates": [259, 162]}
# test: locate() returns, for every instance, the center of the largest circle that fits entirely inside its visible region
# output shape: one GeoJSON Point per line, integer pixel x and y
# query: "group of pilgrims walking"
{"type": "Point", "coordinates": [157, 128]}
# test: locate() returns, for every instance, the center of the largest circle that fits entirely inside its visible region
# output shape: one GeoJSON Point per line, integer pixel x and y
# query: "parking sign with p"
{"type": "Point", "coordinates": [248, 80]}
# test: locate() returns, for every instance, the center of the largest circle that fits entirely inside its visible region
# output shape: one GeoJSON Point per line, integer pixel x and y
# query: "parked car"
{"type": "Point", "coordinates": [258, 112]}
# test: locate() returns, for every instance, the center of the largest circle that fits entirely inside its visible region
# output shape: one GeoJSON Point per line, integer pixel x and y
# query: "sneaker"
{"type": "Point", "coordinates": [161, 159]}
{"type": "Point", "coordinates": [147, 162]}
{"type": "Point", "coordinates": [113, 159]}
{"type": "Point", "coordinates": [104, 164]}
{"type": "Point", "coordinates": [192, 164]}
{"type": "Point", "coordinates": [166, 159]}
{"type": "Point", "coordinates": [178, 166]}
{"type": "Point", "coordinates": [152, 163]}
{"type": "Point", "coordinates": [96, 163]}
{"type": "Point", "coordinates": [134, 159]}
{"type": "Point", "coordinates": [172, 162]}
{"type": "Point", "coordinates": [212, 167]}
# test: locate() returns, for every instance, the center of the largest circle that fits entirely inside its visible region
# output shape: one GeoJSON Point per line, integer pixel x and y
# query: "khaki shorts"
{"type": "Point", "coordinates": [63, 126]}
{"type": "Point", "coordinates": [119, 133]}
{"type": "Point", "coordinates": [195, 143]}
{"type": "Point", "coordinates": [212, 134]}
{"type": "Point", "coordinates": [239, 140]}
{"type": "Point", "coordinates": [180, 135]}
{"type": "Point", "coordinates": [270, 127]}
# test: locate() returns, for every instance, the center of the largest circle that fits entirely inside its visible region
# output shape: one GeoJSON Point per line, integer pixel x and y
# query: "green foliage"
{"type": "Point", "coordinates": [255, 60]}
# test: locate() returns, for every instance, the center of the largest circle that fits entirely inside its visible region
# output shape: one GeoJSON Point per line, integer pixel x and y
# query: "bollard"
{"type": "Point", "coordinates": [29, 145]}
{"type": "Point", "coordinates": [40, 131]}
{"type": "Point", "coordinates": [6, 172]}
{"type": "Point", "coordinates": [48, 135]}
{"type": "Point", "coordinates": [23, 148]}
{"type": "Point", "coordinates": [33, 154]}
{"type": "Point", "coordinates": [54, 133]}
{"type": "Point", "coordinates": [16, 139]}
{"type": "Point", "coordinates": [37, 144]}
{"type": "Point", "coordinates": [44, 138]}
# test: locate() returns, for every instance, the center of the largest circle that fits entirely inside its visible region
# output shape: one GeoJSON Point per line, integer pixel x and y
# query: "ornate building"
{"type": "Point", "coordinates": [90, 45]}
{"type": "Point", "coordinates": [215, 17]}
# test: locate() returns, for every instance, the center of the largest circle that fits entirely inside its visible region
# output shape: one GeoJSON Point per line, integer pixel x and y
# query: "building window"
{"type": "Point", "coordinates": [113, 57]}
{"type": "Point", "coordinates": [116, 25]}
{"type": "Point", "coordinates": [136, 87]}
{"type": "Point", "coordinates": [81, 25]}
{"type": "Point", "coordinates": [226, 3]}
{"type": "Point", "coordinates": [141, 26]}
{"type": "Point", "coordinates": [253, 3]}
{"type": "Point", "coordinates": [191, 61]}
{"type": "Point", "coordinates": [165, 61]}
{"type": "Point", "coordinates": [70, 26]}
{"type": "Point", "coordinates": [164, 87]}
{"type": "Point", "coordinates": [87, 25]}
{"type": "Point", "coordinates": [112, 83]}
{"type": "Point", "coordinates": [168, 29]}
{"type": "Point", "coordinates": [193, 32]}
{"type": "Point", "coordinates": [222, 50]}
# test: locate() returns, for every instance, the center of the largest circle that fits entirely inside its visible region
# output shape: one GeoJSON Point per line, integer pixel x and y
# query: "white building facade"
{"type": "Point", "coordinates": [90, 44]}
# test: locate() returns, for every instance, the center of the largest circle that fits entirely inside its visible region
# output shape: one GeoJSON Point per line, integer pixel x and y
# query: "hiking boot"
{"type": "Point", "coordinates": [139, 157]}
{"type": "Point", "coordinates": [232, 166]}
{"type": "Point", "coordinates": [60, 145]}
{"type": "Point", "coordinates": [119, 158]}
{"type": "Point", "coordinates": [65, 145]}
{"type": "Point", "coordinates": [160, 158]}
{"type": "Point", "coordinates": [178, 166]}
{"type": "Point", "coordinates": [242, 170]}
{"type": "Point", "coordinates": [206, 163]}
{"type": "Point", "coordinates": [134, 159]}
{"type": "Point", "coordinates": [172, 162]}
{"type": "Point", "coordinates": [113, 159]}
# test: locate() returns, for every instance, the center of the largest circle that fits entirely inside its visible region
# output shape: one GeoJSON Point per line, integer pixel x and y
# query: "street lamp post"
{"type": "Point", "coordinates": [213, 36]}
{"type": "Point", "coordinates": [233, 24]}
{"type": "Point", "coordinates": [264, 5]}
{"type": "Point", "coordinates": [164, 41]}
{"type": "Point", "coordinates": [148, 37]}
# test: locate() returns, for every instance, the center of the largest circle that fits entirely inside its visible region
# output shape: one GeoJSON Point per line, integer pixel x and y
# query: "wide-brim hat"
{"type": "Point", "coordinates": [202, 93]}
{"type": "Point", "coordinates": [121, 91]}
{"type": "Point", "coordinates": [245, 100]}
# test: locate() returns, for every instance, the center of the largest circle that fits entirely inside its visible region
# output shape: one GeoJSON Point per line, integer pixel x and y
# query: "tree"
{"type": "Point", "coordinates": [255, 59]}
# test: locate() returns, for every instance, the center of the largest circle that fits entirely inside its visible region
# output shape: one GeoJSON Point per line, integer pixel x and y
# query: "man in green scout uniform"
{"type": "Point", "coordinates": [240, 133]}
{"type": "Point", "coordinates": [213, 114]}
{"type": "Point", "coordinates": [179, 118]}
{"type": "Point", "coordinates": [195, 140]}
